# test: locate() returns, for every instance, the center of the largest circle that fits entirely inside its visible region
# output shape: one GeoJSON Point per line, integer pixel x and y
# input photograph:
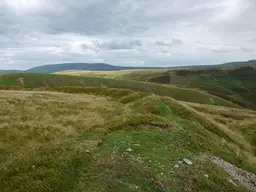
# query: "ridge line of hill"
{"type": "Point", "coordinates": [52, 68]}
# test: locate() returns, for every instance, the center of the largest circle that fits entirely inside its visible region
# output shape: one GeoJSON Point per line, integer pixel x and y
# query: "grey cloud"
{"type": "Point", "coordinates": [247, 50]}
{"type": "Point", "coordinates": [228, 49]}
{"type": "Point", "coordinates": [115, 45]}
{"type": "Point", "coordinates": [108, 16]}
{"type": "Point", "coordinates": [169, 44]}
{"type": "Point", "coordinates": [221, 50]}
{"type": "Point", "coordinates": [112, 45]}
{"type": "Point", "coordinates": [225, 49]}
{"type": "Point", "coordinates": [79, 30]}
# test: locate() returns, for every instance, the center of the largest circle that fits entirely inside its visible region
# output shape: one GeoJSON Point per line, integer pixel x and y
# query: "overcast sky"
{"type": "Point", "coordinates": [126, 32]}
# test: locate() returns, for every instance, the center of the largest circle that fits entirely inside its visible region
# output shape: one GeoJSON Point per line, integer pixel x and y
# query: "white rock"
{"type": "Point", "coordinates": [187, 161]}
{"type": "Point", "coordinates": [176, 166]}
{"type": "Point", "coordinates": [206, 175]}
{"type": "Point", "coordinates": [87, 151]}
{"type": "Point", "coordinates": [129, 150]}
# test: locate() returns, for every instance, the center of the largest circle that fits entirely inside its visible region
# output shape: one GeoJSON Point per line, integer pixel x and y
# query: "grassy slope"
{"type": "Point", "coordinates": [138, 74]}
{"type": "Point", "coordinates": [233, 84]}
{"type": "Point", "coordinates": [237, 85]}
{"type": "Point", "coordinates": [51, 81]}
{"type": "Point", "coordinates": [77, 142]}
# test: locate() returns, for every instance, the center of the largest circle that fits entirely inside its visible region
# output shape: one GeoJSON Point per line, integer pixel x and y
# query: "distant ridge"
{"type": "Point", "coordinates": [229, 64]}
{"type": "Point", "coordinates": [10, 71]}
{"type": "Point", "coordinates": [239, 64]}
{"type": "Point", "coordinates": [107, 67]}
{"type": "Point", "coordinates": [81, 66]}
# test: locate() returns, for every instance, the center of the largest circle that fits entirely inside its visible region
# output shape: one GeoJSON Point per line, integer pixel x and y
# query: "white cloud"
{"type": "Point", "coordinates": [23, 4]}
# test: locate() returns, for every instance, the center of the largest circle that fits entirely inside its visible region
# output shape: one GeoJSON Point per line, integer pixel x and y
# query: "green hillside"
{"type": "Point", "coordinates": [234, 84]}
{"type": "Point", "coordinates": [237, 85]}
{"type": "Point", "coordinates": [119, 140]}
{"type": "Point", "coordinates": [32, 81]}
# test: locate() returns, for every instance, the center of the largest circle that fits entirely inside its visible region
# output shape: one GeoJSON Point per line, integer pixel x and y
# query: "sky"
{"type": "Point", "coordinates": [126, 32]}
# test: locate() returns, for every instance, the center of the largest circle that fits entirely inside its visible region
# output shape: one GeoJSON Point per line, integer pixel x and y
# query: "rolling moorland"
{"type": "Point", "coordinates": [87, 133]}
{"type": "Point", "coordinates": [235, 84]}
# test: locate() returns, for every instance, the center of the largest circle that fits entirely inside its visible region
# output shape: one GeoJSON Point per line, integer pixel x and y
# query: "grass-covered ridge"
{"type": "Point", "coordinates": [54, 141]}
{"type": "Point", "coordinates": [236, 84]}
{"type": "Point", "coordinates": [33, 81]}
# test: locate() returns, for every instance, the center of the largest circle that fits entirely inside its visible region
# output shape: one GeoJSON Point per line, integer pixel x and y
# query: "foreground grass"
{"type": "Point", "coordinates": [40, 150]}
{"type": "Point", "coordinates": [78, 142]}
{"type": "Point", "coordinates": [33, 81]}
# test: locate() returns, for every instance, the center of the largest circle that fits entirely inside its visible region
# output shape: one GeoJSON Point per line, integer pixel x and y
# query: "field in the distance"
{"type": "Point", "coordinates": [50, 81]}
{"type": "Point", "coordinates": [119, 140]}
{"type": "Point", "coordinates": [136, 74]}
{"type": "Point", "coordinates": [236, 84]}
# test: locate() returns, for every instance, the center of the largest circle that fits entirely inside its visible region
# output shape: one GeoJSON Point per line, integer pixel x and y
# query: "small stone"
{"type": "Point", "coordinates": [87, 151]}
{"type": "Point", "coordinates": [137, 187]}
{"type": "Point", "coordinates": [187, 161]}
{"type": "Point", "coordinates": [206, 175]}
{"type": "Point", "coordinates": [137, 145]}
{"type": "Point", "coordinates": [33, 166]}
{"type": "Point", "coordinates": [129, 150]}
{"type": "Point", "coordinates": [100, 143]}
{"type": "Point", "coordinates": [176, 166]}
{"type": "Point", "coordinates": [161, 173]}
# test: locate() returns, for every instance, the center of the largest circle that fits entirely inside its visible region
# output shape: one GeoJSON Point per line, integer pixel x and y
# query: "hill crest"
{"type": "Point", "coordinates": [53, 68]}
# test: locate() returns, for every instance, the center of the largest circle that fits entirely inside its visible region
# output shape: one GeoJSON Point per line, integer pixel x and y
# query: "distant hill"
{"type": "Point", "coordinates": [107, 67]}
{"type": "Point", "coordinates": [81, 66]}
{"type": "Point", "coordinates": [230, 64]}
{"type": "Point", "coordinates": [53, 68]}
{"type": "Point", "coordinates": [239, 64]}
{"type": "Point", "coordinates": [9, 71]}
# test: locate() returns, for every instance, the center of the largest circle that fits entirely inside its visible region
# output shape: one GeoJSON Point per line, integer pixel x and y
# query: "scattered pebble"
{"type": "Point", "coordinates": [187, 161]}
{"type": "Point", "coordinates": [87, 151]}
{"type": "Point", "coordinates": [33, 166]}
{"type": "Point", "coordinates": [100, 143]}
{"type": "Point", "coordinates": [137, 145]}
{"type": "Point", "coordinates": [176, 166]}
{"type": "Point", "coordinates": [129, 150]}
{"type": "Point", "coordinates": [180, 162]}
{"type": "Point", "coordinates": [206, 175]}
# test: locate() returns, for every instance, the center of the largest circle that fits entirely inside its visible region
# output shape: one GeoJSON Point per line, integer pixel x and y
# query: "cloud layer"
{"type": "Point", "coordinates": [127, 32]}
